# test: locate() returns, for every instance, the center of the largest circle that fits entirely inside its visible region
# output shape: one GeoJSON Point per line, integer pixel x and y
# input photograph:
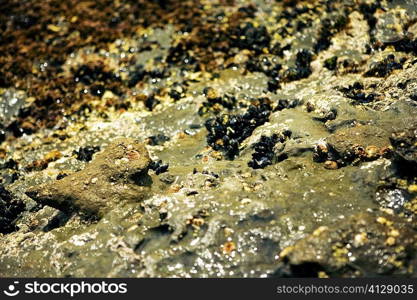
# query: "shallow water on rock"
{"type": "Point", "coordinates": [331, 168]}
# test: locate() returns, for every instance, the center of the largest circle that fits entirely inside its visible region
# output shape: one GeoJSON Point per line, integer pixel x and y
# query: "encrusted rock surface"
{"type": "Point", "coordinates": [116, 175]}
{"type": "Point", "coordinates": [208, 138]}
{"type": "Point", "coordinates": [349, 248]}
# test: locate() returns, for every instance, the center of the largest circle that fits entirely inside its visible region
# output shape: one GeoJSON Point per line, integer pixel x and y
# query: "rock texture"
{"type": "Point", "coordinates": [267, 122]}
{"type": "Point", "coordinates": [349, 248]}
{"type": "Point", "coordinates": [117, 174]}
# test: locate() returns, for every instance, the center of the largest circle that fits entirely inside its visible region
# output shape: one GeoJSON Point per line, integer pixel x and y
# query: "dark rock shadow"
{"type": "Point", "coordinates": [142, 179]}
{"type": "Point", "coordinates": [59, 220]}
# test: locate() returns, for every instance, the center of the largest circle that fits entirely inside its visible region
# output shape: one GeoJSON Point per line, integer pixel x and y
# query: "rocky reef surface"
{"type": "Point", "coordinates": [221, 138]}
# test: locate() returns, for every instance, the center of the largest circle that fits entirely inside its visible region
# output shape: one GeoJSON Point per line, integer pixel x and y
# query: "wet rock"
{"type": "Point", "coordinates": [405, 44]}
{"type": "Point", "coordinates": [326, 115]}
{"type": "Point", "coordinates": [284, 103]}
{"type": "Point", "coordinates": [118, 174]}
{"type": "Point", "coordinates": [368, 10]}
{"type": "Point", "coordinates": [329, 27]}
{"type": "Point", "coordinates": [384, 67]}
{"type": "Point", "coordinates": [364, 142]}
{"type": "Point", "coordinates": [302, 67]}
{"type": "Point", "coordinates": [11, 101]}
{"type": "Point", "coordinates": [390, 27]}
{"type": "Point", "coordinates": [216, 103]}
{"type": "Point", "coordinates": [137, 69]}
{"type": "Point", "coordinates": [43, 163]}
{"type": "Point", "coordinates": [404, 143]}
{"type": "Point", "coordinates": [365, 244]}
{"type": "Point", "coordinates": [10, 209]}
{"type": "Point", "coordinates": [392, 197]}
{"type": "Point", "coordinates": [158, 139]}
{"type": "Point", "coordinates": [167, 178]}
{"type": "Point", "coordinates": [10, 164]}
{"type": "Point", "coordinates": [266, 64]}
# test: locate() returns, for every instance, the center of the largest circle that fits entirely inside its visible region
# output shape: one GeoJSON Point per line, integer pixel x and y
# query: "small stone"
{"type": "Point", "coordinates": [372, 152]}
{"type": "Point", "coordinates": [211, 93]}
{"type": "Point", "coordinates": [390, 241]}
{"type": "Point", "coordinates": [330, 165]}
{"type": "Point", "coordinates": [54, 28]}
{"type": "Point", "coordinates": [360, 239]}
{"type": "Point", "coordinates": [412, 188]}
{"type": "Point", "coordinates": [108, 95]}
{"type": "Point", "coordinates": [53, 155]}
{"type": "Point", "coordinates": [197, 222]}
{"type": "Point", "coordinates": [384, 221]}
{"type": "Point", "coordinates": [216, 155]}
{"type": "Point", "coordinates": [286, 251]}
{"type": "Point", "coordinates": [246, 175]}
{"type": "Point", "coordinates": [228, 247]}
{"type": "Point", "coordinates": [175, 188]}
{"type": "Point", "coordinates": [228, 231]}
{"type": "Point", "coordinates": [320, 230]}
{"type": "Point", "coordinates": [394, 233]}
{"type": "Point", "coordinates": [245, 201]}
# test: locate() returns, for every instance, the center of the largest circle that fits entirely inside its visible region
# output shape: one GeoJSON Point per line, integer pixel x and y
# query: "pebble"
{"type": "Point", "coordinates": [330, 165]}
